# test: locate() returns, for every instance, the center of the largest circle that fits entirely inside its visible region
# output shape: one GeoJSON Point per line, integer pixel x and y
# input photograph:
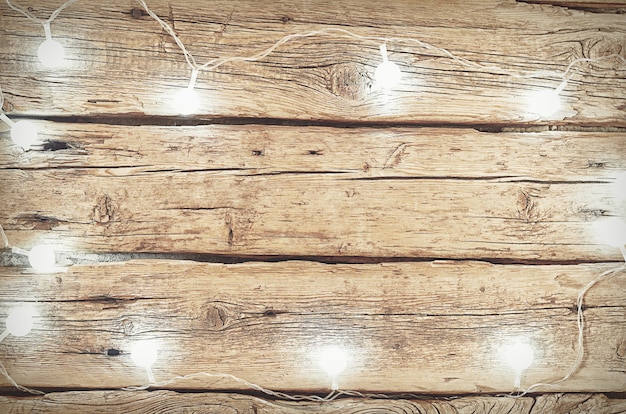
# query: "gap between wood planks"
{"type": "Point", "coordinates": [399, 396]}
{"type": "Point", "coordinates": [8, 259]}
{"type": "Point", "coordinates": [142, 120]}
{"type": "Point", "coordinates": [608, 7]}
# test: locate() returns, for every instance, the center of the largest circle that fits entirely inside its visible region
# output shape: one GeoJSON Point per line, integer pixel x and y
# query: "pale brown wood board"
{"type": "Point", "coordinates": [163, 401]}
{"type": "Point", "coordinates": [422, 229]}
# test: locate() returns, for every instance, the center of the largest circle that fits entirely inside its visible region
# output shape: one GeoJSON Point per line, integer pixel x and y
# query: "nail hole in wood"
{"type": "Point", "coordinates": [136, 13]}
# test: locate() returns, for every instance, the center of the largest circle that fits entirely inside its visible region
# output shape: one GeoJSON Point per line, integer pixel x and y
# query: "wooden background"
{"type": "Point", "coordinates": [421, 229]}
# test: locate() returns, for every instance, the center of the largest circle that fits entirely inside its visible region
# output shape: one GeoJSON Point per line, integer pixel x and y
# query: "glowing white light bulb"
{"type": "Point", "coordinates": [20, 320]}
{"type": "Point", "coordinates": [611, 231]}
{"type": "Point", "coordinates": [544, 103]}
{"type": "Point", "coordinates": [333, 361]}
{"type": "Point", "coordinates": [387, 74]}
{"type": "Point", "coordinates": [519, 356]}
{"type": "Point", "coordinates": [186, 101]}
{"type": "Point", "coordinates": [24, 133]}
{"type": "Point", "coordinates": [51, 53]}
{"type": "Point", "coordinates": [42, 258]}
{"type": "Point", "coordinates": [144, 354]}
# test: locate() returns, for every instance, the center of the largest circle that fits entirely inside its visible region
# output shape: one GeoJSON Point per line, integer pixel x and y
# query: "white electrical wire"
{"type": "Point", "coordinates": [331, 31]}
{"type": "Point", "coordinates": [36, 19]}
{"type": "Point", "coordinates": [580, 319]}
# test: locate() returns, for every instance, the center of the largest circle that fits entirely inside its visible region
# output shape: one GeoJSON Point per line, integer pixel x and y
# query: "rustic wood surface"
{"type": "Point", "coordinates": [300, 156]}
{"type": "Point", "coordinates": [422, 327]}
{"type": "Point", "coordinates": [320, 78]}
{"type": "Point", "coordinates": [170, 402]}
{"type": "Point", "coordinates": [293, 191]}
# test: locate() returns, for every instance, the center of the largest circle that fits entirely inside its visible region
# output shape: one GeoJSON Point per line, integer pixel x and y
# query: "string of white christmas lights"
{"type": "Point", "coordinates": [333, 361]}
{"type": "Point", "coordinates": [41, 257]}
{"type": "Point", "coordinates": [387, 74]}
{"type": "Point", "coordinates": [580, 319]}
{"type": "Point", "coordinates": [19, 322]}
{"type": "Point", "coordinates": [50, 52]}
{"type": "Point", "coordinates": [390, 69]}
{"type": "Point", "coordinates": [23, 132]}
{"type": "Point", "coordinates": [333, 394]}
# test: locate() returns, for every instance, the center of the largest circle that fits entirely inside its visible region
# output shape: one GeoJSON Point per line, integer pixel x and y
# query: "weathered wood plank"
{"type": "Point", "coordinates": [254, 190]}
{"type": "Point", "coordinates": [166, 401]}
{"type": "Point", "coordinates": [325, 78]}
{"type": "Point", "coordinates": [371, 152]}
{"type": "Point", "coordinates": [306, 214]}
{"type": "Point", "coordinates": [420, 327]}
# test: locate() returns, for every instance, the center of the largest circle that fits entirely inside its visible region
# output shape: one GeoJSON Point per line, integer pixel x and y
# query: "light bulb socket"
{"type": "Point", "coordinates": [46, 29]}
{"type": "Point", "coordinates": [151, 379]}
{"type": "Point", "coordinates": [20, 251]}
{"type": "Point", "coordinates": [518, 380]}
{"type": "Point", "coordinates": [561, 86]}
{"type": "Point", "coordinates": [383, 52]}
{"type": "Point", "coordinates": [6, 120]}
{"type": "Point", "coordinates": [192, 80]}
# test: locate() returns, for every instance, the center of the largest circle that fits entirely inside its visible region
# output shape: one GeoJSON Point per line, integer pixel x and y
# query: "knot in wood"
{"type": "Point", "coordinates": [217, 317]}
{"type": "Point", "coordinates": [347, 81]}
{"type": "Point", "coordinates": [128, 326]}
{"type": "Point", "coordinates": [620, 350]}
{"type": "Point", "coordinates": [103, 212]}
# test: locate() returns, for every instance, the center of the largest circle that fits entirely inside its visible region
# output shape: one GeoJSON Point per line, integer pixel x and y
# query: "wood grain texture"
{"type": "Point", "coordinates": [312, 191]}
{"type": "Point", "coordinates": [436, 328]}
{"type": "Point", "coordinates": [321, 78]}
{"type": "Point", "coordinates": [170, 402]}
{"type": "Point", "coordinates": [340, 172]}
{"type": "Point", "coordinates": [544, 156]}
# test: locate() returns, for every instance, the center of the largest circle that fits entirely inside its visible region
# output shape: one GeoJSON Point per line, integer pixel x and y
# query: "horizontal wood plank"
{"type": "Point", "coordinates": [549, 156]}
{"type": "Point", "coordinates": [319, 78]}
{"type": "Point", "coordinates": [315, 191]}
{"type": "Point", "coordinates": [303, 214]}
{"type": "Point", "coordinates": [160, 401]}
{"type": "Point", "coordinates": [435, 327]}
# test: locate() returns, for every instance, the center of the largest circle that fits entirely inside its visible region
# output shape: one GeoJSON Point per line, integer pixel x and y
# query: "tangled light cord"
{"type": "Point", "coordinates": [580, 320]}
